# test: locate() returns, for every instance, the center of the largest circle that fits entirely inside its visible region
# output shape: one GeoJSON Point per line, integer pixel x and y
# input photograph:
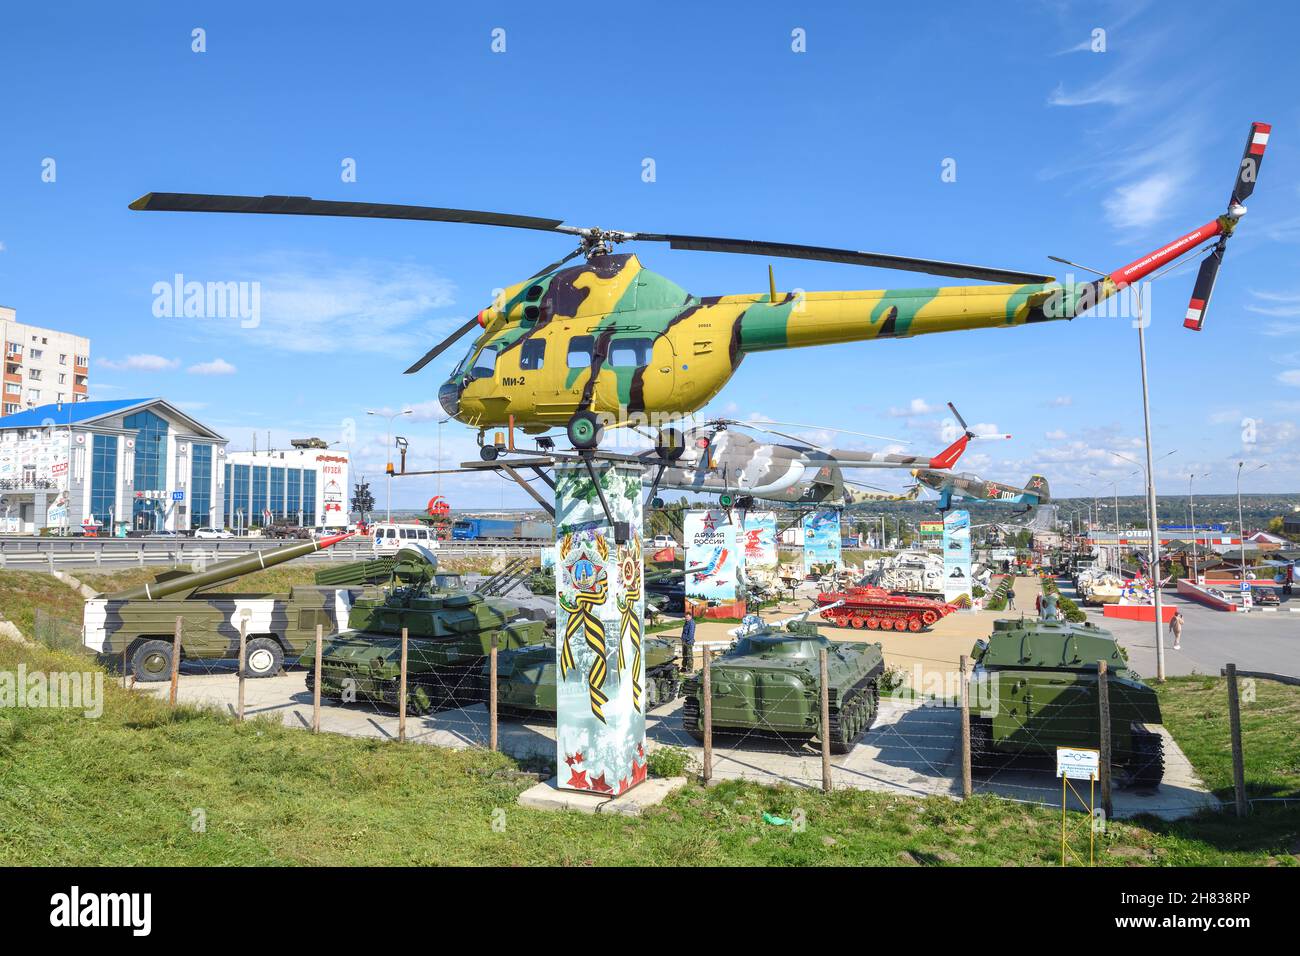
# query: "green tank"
{"type": "Point", "coordinates": [526, 677]}
{"type": "Point", "coordinates": [1034, 688]}
{"type": "Point", "coordinates": [769, 681]}
{"type": "Point", "coordinates": [449, 634]}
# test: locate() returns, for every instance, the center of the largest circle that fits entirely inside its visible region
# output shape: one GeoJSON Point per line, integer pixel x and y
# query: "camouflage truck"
{"type": "Point", "coordinates": [141, 621]}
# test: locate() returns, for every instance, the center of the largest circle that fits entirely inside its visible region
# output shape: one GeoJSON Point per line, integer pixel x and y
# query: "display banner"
{"type": "Point", "coordinates": [956, 556]}
{"type": "Point", "coordinates": [931, 529]}
{"type": "Point", "coordinates": [760, 540]}
{"type": "Point", "coordinates": [712, 555]}
{"type": "Point", "coordinates": [599, 619]}
{"type": "Point", "coordinates": [821, 540]}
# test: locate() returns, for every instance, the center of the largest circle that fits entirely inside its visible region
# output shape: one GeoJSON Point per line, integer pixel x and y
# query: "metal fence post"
{"type": "Point", "coordinates": [243, 661]}
{"type": "Point", "coordinates": [965, 729]}
{"type": "Point", "coordinates": [1238, 758]}
{"type": "Point", "coordinates": [492, 695]}
{"type": "Point", "coordinates": [824, 668]}
{"type": "Point", "coordinates": [706, 691]}
{"type": "Point", "coordinates": [401, 695]}
{"type": "Point", "coordinates": [1103, 703]}
{"type": "Point", "coordinates": [315, 696]}
{"type": "Point", "coordinates": [176, 659]}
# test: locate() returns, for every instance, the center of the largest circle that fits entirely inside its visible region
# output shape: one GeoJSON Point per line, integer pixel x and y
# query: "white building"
{"type": "Point", "coordinates": [298, 486]}
{"type": "Point", "coordinates": [137, 463]}
{"type": "Point", "coordinates": [41, 366]}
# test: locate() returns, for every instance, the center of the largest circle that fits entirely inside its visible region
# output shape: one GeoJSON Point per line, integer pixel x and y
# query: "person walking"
{"type": "Point", "coordinates": [688, 643]}
{"type": "Point", "coordinates": [1176, 629]}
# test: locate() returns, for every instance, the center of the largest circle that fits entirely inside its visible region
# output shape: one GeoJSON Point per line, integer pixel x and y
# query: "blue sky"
{"type": "Point", "coordinates": [1095, 156]}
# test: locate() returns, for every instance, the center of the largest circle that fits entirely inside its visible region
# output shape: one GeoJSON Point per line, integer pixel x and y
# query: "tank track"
{"type": "Point", "coordinates": [1146, 763]}
{"type": "Point", "coordinates": [691, 708]}
{"type": "Point", "coordinates": [860, 706]}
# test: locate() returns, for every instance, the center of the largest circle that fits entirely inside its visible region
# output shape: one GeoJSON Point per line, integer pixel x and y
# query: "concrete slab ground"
{"type": "Point", "coordinates": [547, 796]}
{"type": "Point", "coordinates": [912, 749]}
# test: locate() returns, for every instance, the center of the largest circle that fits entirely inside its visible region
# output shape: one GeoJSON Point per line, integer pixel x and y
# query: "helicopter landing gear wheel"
{"type": "Point", "coordinates": [488, 452]}
{"type": "Point", "coordinates": [670, 444]}
{"type": "Point", "coordinates": [584, 430]}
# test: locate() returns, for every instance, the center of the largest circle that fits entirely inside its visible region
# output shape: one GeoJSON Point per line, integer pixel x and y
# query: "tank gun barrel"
{"type": "Point", "coordinates": [225, 570]}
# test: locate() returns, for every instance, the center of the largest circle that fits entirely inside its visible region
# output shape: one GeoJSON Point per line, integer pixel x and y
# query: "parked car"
{"type": "Point", "coordinates": [663, 541]}
{"type": "Point", "coordinates": [212, 533]}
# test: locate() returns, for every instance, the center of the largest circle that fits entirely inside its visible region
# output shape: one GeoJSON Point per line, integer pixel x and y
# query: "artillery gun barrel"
{"type": "Point", "coordinates": [224, 570]}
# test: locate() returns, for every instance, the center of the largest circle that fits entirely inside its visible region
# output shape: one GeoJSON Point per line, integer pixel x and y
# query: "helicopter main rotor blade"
{"type": "Point", "coordinates": [822, 428]}
{"type": "Point", "coordinates": [880, 260]}
{"type": "Point", "coordinates": [442, 346]}
{"type": "Point", "coordinates": [306, 206]}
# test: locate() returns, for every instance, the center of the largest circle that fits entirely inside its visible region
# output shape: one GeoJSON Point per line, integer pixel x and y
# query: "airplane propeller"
{"type": "Point", "coordinates": [594, 241]}
{"type": "Point", "coordinates": [1244, 185]}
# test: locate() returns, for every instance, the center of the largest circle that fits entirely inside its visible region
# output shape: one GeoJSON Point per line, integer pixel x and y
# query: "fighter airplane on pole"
{"type": "Point", "coordinates": [967, 487]}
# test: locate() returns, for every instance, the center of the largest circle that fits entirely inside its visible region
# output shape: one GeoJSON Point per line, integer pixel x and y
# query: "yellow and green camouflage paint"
{"type": "Point", "coordinates": [623, 341]}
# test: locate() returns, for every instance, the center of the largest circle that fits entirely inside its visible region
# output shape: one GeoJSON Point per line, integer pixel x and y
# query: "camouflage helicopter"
{"type": "Point", "coordinates": [610, 342]}
{"type": "Point", "coordinates": [722, 458]}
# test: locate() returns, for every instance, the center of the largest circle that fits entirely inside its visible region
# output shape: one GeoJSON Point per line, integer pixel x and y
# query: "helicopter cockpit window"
{"type": "Point", "coordinates": [485, 364]}
{"type": "Point", "coordinates": [580, 348]}
{"type": "Point", "coordinates": [532, 355]}
{"type": "Point", "coordinates": [630, 353]}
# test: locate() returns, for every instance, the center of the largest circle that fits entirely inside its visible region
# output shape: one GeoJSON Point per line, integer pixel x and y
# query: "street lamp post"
{"type": "Point", "coordinates": [1191, 518]}
{"type": "Point", "coordinates": [388, 451]}
{"type": "Point", "coordinates": [1245, 588]}
{"type": "Point", "coordinates": [1153, 537]}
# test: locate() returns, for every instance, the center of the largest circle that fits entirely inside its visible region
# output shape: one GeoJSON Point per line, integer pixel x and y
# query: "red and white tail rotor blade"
{"type": "Point", "coordinates": [1204, 287]}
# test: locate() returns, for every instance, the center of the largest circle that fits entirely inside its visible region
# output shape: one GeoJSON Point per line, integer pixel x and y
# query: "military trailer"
{"type": "Point", "coordinates": [1034, 688]}
{"type": "Point", "coordinates": [449, 635]}
{"type": "Point", "coordinates": [141, 621]}
{"type": "Point", "coordinates": [768, 683]}
{"type": "Point", "coordinates": [526, 678]}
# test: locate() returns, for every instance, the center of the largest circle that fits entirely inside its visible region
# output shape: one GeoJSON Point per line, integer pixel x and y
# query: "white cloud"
{"type": "Point", "coordinates": [142, 362]}
{"type": "Point", "coordinates": [1283, 305]}
{"type": "Point", "coordinates": [917, 406]}
{"type": "Point", "coordinates": [1142, 203]}
{"type": "Point", "coordinates": [2, 247]}
{"type": "Point", "coordinates": [218, 366]}
{"type": "Point", "coordinates": [1290, 377]}
{"type": "Point", "coordinates": [1108, 92]}
{"type": "Point", "coordinates": [317, 305]}
{"type": "Point", "coordinates": [1061, 401]}
{"type": "Point", "coordinates": [1056, 434]}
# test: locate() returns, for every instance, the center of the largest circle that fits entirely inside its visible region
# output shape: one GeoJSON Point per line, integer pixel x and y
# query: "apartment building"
{"type": "Point", "coordinates": [41, 366]}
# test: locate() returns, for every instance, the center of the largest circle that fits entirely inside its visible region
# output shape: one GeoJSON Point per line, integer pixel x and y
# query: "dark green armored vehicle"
{"type": "Point", "coordinates": [1034, 688]}
{"type": "Point", "coordinates": [526, 677]}
{"type": "Point", "coordinates": [449, 634]}
{"type": "Point", "coordinates": [769, 682]}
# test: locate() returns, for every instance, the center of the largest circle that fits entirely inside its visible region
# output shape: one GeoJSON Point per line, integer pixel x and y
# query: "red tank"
{"type": "Point", "coordinates": [876, 609]}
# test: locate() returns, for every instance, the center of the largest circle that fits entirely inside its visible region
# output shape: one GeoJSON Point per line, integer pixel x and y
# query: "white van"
{"type": "Point", "coordinates": [388, 536]}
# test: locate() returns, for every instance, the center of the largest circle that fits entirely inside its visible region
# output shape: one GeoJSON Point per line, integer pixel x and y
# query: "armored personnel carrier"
{"type": "Point", "coordinates": [526, 677]}
{"type": "Point", "coordinates": [1034, 688]}
{"type": "Point", "coordinates": [876, 609]}
{"type": "Point", "coordinates": [141, 621]}
{"type": "Point", "coordinates": [769, 682]}
{"type": "Point", "coordinates": [449, 634]}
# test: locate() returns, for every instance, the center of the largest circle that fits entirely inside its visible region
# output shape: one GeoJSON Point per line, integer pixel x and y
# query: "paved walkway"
{"type": "Point", "coordinates": [912, 749]}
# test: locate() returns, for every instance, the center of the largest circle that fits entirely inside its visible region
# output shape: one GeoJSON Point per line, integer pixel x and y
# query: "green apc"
{"type": "Point", "coordinates": [769, 683]}
{"type": "Point", "coordinates": [1034, 688]}
{"type": "Point", "coordinates": [526, 678]}
{"type": "Point", "coordinates": [450, 632]}
{"type": "Point", "coordinates": [137, 625]}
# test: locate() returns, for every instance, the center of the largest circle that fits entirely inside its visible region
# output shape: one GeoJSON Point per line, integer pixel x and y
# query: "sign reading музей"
{"type": "Point", "coordinates": [600, 605]}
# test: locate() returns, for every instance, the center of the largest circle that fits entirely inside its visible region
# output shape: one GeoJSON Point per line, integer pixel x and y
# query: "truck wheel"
{"type": "Point", "coordinates": [152, 661]}
{"type": "Point", "coordinates": [263, 657]}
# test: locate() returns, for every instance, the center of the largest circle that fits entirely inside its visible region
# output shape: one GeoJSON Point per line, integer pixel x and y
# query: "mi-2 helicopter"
{"type": "Point", "coordinates": [608, 342]}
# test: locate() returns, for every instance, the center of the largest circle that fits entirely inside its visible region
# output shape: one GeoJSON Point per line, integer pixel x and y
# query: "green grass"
{"type": "Point", "coordinates": [1195, 711]}
{"type": "Point", "coordinates": [23, 593]}
{"type": "Point", "coordinates": [122, 790]}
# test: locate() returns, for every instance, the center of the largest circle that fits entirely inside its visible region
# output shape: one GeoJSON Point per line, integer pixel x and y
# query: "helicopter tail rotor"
{"type": "Point", "coordinates": [1244, 185]}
